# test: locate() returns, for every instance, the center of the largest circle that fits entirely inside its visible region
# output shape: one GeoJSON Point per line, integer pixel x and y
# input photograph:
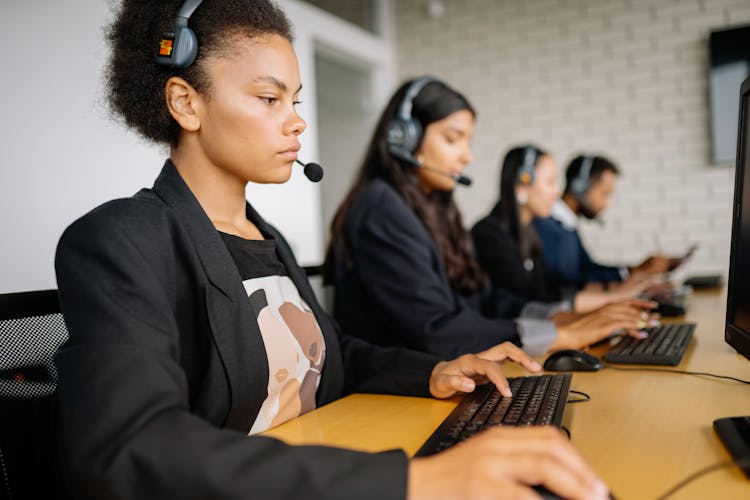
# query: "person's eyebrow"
{"type": "Point", "coordinates": [457, 130]}
{"type": "Point", "coordinates": [276, 83]}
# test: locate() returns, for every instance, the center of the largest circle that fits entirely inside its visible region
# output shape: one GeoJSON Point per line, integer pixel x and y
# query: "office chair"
{"type": "Point", "coordinates": [31, 331]}
{"type": "Point", "coordinates": [323, 292]}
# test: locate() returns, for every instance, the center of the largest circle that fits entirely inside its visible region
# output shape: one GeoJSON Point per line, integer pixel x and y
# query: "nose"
{"type": "Point", "coordinates": [466, 155]}
{"type": "Point", "coordinates": [295, 124]}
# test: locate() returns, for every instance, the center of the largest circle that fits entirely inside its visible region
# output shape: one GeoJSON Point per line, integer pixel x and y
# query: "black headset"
{"type": "Point", "coordinates": [525, 175]}
{"type": "Point", "coordinates": [580, 184]}
{"type": "Point", "coordinates": [405, 131]}
{"type": "Point", "coordinates": [178, 48]}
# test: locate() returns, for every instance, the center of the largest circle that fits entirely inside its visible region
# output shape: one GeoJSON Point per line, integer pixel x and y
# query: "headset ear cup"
{"type": "Point", "coordinates": [404, 134]}
{"type": "Point", "coordinates": [525, 175]}
{"type": "Point", "coordinates": [413, 135]}
{"type": "Point", "coordinates": [581, 182]}
{"type": "Point", "coordinates": [525, 178]}
{"type": "Point", "coordinates": [580, 187]}
{"type": "Point", "coordinates": [396, 134]}
{"type": "Point", "coordinates": [576, 187]}
{"type": "Point", "coordinates": [186, 47]}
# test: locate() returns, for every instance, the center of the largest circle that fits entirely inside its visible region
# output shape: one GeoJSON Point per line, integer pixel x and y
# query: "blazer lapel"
{"type": "Point", "coordinates": [233, 325]}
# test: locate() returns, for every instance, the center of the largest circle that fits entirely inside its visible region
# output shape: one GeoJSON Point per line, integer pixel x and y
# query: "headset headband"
{"type": "Point", "coordinates": [529, 157]}
{"type": "Point", "coordinates": [187, 9]}
{"type": "Point", "coordinates": [580, 183]}
{"type": "Point", "coordinates": [179, 47]}
{"type": "Point", "coordinates": [404, 111]}
{"type": "Point", "coordinates": [586, 163]}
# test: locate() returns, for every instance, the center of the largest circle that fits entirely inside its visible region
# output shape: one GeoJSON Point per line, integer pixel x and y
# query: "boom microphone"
{"type": "Point", "coordinates": [460, 179]}
{"type": "Point", "coordinates": [402, 155]}
{"type": "Point", "coordinates": [313, 171]}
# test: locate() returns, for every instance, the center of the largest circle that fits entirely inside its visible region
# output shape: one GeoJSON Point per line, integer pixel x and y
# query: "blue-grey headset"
{"type": "Point", "coordinates": [580, 184]}
{"type": "Point", "coordinates": [525, 174]}
{"type": "Point", "coordinates": [404, 131]}
{"type": "Point", "coordinates": [178, 48]}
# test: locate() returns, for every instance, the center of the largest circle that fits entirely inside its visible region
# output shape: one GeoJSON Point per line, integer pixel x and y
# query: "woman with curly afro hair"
{"type": "Point", "coordinates": [193, 329]}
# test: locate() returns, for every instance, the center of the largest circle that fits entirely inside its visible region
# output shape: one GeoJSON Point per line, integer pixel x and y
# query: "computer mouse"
{"type": "Point", "coordinates": [668, 309]}
{"type": "Point", "coordinates": [548, 495]}
{"type": "Point", "coordinates": [569, 360]}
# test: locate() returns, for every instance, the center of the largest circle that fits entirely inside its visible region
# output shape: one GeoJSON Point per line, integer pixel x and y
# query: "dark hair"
{"type": "Point", "coordinates": [599, 165]}
{"type": "Point", "coordinates": [437, 210]}
{"type": "Point", "coordinates": [526, 237]}
{"type": "Point", "coordinates": [135, 83]}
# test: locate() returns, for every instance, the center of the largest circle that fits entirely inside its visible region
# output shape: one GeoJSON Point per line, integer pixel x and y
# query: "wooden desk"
{"type": "Point", "coordinates": [642, 431]}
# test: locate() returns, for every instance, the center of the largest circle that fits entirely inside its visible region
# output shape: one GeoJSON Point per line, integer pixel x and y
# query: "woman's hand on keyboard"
{"type": "Point", "coordinates": [506, 462]}
{"type": "Point", "coordinates": [580, 330]}
{"type": "Point", "coordinates": [635, 286]}
{"type": "Point", "coordinates": [466, 372]}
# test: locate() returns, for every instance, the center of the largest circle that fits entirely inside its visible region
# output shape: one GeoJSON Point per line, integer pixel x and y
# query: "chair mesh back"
{"type": "Point", "coordinates": [27, 349]}
{"type": "Point", "coordinates": [31, 331]}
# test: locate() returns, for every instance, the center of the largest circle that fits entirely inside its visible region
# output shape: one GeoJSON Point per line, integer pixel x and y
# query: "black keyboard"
{"type": "Point", "coordinates": [665, 345]}
{"type": "Point", "coordinates": [538, 400]}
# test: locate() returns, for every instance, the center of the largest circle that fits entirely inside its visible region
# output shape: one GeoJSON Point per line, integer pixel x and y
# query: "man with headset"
{"type": "Point", "coordinates": [590, 181]}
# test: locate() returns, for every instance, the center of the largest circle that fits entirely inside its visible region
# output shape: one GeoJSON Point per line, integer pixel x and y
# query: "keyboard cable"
{"type": "Point", "coordinates": [584, 397]}
{"type": "Point", "coordinates": [682, 372]}
{"type": "Point", "coordinates": [699, 473]}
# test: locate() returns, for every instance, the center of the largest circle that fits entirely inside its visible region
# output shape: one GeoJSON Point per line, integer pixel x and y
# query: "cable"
{"type": "Point", "coordinates": [683, 372]}
{"type": "Point", "coordinates": [584, 397]}
{"type": "Point", "coordinates": [701, 472]}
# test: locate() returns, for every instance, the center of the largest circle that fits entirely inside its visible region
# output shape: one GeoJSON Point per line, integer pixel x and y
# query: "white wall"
{"type": "Point", "coordinates": [625, 77]}
{"type": "Point", "coordinates": [61, 155]}
{"type": "Point", "coordinates": [628, 78]}
{"type": "Point", "coordinates": [346, 119]}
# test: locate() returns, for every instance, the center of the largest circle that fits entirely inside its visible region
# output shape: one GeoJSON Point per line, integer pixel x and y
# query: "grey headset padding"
{"type": "Point", "coordinates": [580, 183]}
{"type": "Point", "coordinates": [525, 174]}
{"type": "Point", "coordinates": [186, 48]}
{"type": "Point", "coordinates": [404, 131]}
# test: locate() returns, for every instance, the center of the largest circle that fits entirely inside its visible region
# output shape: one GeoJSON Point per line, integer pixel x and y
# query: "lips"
{"type": "Point", "coordinates": [291, 152]}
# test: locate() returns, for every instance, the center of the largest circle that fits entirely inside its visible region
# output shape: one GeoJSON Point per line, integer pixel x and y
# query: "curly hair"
{"type": "Point", "coordinates": [437, 210]}
{"type": "Point", "coordinates": [135, 83]}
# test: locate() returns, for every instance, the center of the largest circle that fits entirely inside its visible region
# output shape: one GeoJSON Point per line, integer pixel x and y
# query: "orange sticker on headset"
{"type": "Point", "coordinates": [165, 48]}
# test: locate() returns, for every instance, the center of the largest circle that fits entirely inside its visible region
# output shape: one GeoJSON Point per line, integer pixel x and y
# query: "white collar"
{"type": "Point", "coordinates": [562, 213]}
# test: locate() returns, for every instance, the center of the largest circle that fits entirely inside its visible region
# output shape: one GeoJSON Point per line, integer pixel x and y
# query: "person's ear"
{"type": "Point", "coordinates": [522, 195]}
{"type": "Point", "coordinates": [183, 102]}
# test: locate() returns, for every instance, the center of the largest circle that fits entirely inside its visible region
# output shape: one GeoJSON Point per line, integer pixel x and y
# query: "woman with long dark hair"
{"type": "Point", "coordinates": [401, 260]}
{"type": "Point", "coordinates": [508, 247]}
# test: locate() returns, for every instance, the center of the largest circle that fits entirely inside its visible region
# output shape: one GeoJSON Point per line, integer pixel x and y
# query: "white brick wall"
{"type": "Point", "coordinates": [627, 78]}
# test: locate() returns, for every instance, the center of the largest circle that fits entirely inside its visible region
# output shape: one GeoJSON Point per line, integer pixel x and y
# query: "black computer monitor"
{"type": "Point", "coordinates": [737, 330]}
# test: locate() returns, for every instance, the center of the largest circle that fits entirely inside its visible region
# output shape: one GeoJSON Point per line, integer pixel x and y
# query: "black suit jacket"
{"type": "Point", "coordinates": [500, 256]}
{"type": "Point", "coordinates": [391, 287]}
{"type": "Point", "coordinates": [165, 369]}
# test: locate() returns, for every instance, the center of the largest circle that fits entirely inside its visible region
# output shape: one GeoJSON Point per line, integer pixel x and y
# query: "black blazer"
{"type": "Point", "coordinates": [166, 370]}
{"type": "Point", "coordinates": [500, 256]}
{"type": "Point", "coordinates": [390, 285]}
